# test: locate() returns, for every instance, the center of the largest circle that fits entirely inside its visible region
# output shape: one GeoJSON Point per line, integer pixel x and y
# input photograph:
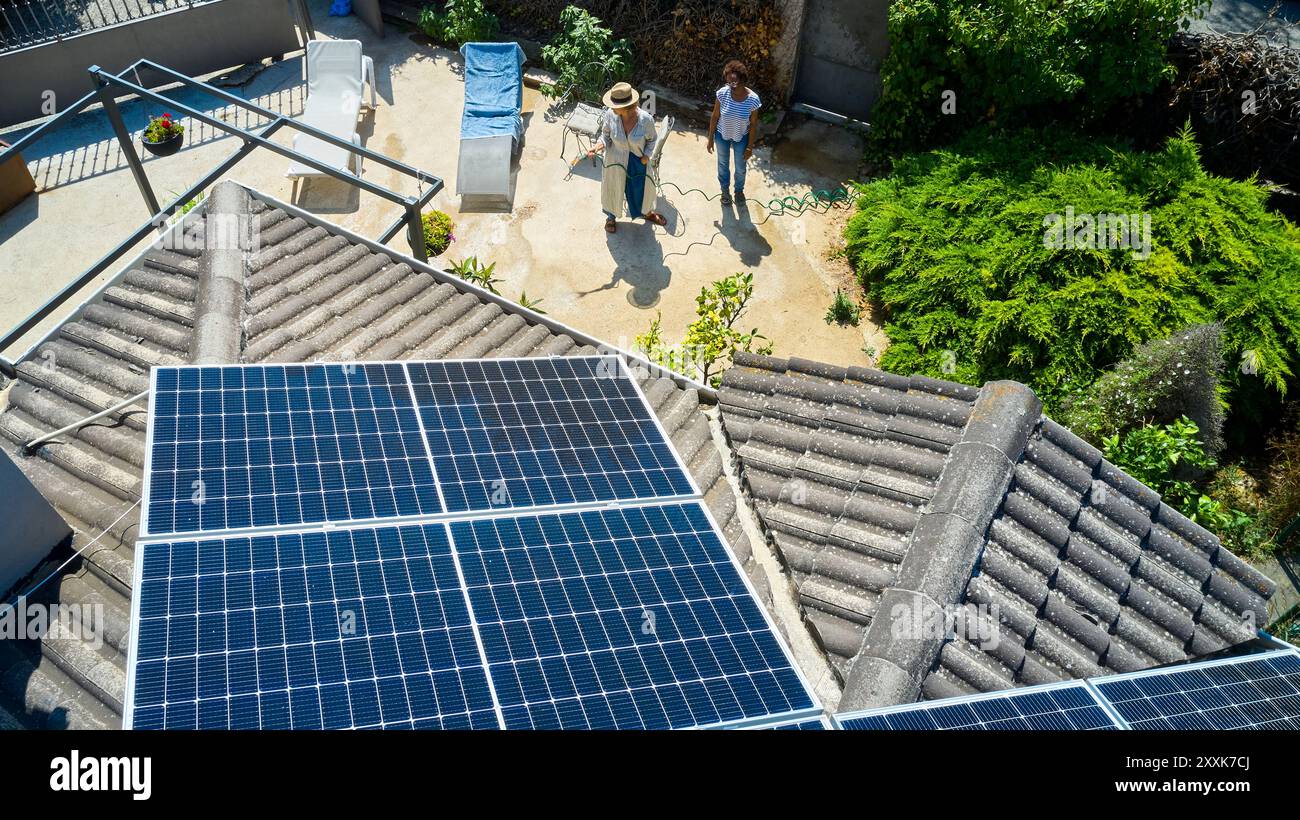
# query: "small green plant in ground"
{"type": "Point", "coordinates": [713, 337]}
{"type": "Point", "coordinates": [437, 232]}
{"type": "Point", "coordinates": [472, 270]}
{"type": "Point", "coordinates": [464, 21]}
{"type": "Point", "coordinates": [162, 128]}
{"type": "Point", "coordinates": [585, 55]}
{"type": "Point", "coordinates": [843, 310]}
{"type": "Point", "coordinates": [531, 304]}
{"type": "Point", "coordinates": [187, 207]}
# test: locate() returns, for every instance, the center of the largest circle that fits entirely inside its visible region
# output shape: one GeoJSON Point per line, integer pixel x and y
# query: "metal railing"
{"type": "Point", "coordinates": [107, 86]}
{"type": "Point", "coordinates": [25, 23]}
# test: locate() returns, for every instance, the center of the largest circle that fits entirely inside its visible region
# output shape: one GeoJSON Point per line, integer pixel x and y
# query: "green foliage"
{"type": "Point", "coordinates": [843, 310]}
{"type": "Point", "coordinates": [1014, 61]}
{"type": "Point", "coordinates": [187, 207]}
{"type": "Point", "coordinates": [472, 270]}
{"type": "Point", "coordinates": [953, 247]}
{"type": "Point", "coordinates": [585, 55]}
{"type": "Point", "coordinates": [712, 338]}
{"type": "Point", "coordinates": [1169, 458]}
{"type": "Point", "coordinates": [162, 128]}
{"type": "Point", "coordinates": [1162, 380]}
{"type": "Point", "coordinates": [437, 232]}
{"type": "Point", "coordinates": [465, 21]}
{"type": "Point", "coordinates": [531, 304]}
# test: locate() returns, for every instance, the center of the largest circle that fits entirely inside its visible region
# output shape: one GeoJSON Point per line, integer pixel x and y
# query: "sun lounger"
{"type": "Point", "coordinates": [336, 74]}
{"type": "Point", "coordinates": [491, 127]}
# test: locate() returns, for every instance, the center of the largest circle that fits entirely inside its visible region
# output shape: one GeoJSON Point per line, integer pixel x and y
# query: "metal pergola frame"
{"type": "Point", "coordinates": [107, 86]}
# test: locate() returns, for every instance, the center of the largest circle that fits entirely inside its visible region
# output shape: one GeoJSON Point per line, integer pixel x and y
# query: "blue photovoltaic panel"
{"type": "Point", "coordinates": [349, 628]}
{"type": "Point", "coordinates": [625, 618]}
{"type": "Point", "coordinates": [238, 447]}
{"type": "Point", "coordinates": [805, 725]}
{"type": "Point", "coordinates": [1067, 707]}
{"type": "Point", "coordinates": [513, 433]}
{"type": "Point", "coordinates": [1252, 692]}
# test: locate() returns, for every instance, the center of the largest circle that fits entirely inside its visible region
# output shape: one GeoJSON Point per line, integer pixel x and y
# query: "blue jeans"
{"type": "Point", "coordinates": [725, 149]}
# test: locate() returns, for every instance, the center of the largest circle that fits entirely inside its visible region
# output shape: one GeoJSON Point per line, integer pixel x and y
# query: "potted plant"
{"type": "Point", "coordinates": [162, 137]}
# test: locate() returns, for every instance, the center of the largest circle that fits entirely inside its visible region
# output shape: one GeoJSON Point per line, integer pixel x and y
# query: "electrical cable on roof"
{"type": "Point", "coordinates": [12, 601]}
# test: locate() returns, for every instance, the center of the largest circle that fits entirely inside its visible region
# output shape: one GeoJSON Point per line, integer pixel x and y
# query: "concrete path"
{"type": "Point", "coordinates": [551, 245]}
{"type": "Point", "coordinates": [1240, 16]}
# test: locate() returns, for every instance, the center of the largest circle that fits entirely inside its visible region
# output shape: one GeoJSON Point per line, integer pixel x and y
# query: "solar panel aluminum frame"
{"type": "Point", "coordinates": [838, 720]}
{"type": "Point", "coordinates": [622, 372]}
{"type": "Point", "coordinates": [815, 710]}
{"type": "Point", "coordinates": [821, 722]}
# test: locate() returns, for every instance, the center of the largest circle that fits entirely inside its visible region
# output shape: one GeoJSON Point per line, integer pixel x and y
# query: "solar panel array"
{"type": "Point", "coordinates": [1066, 707]}
{"type": "Point", "coordinates": [1260, 691]}
{"type": "Point", "coordinates": [477, 544]}
{"type": "Point", "coordinates": [1242, 693]}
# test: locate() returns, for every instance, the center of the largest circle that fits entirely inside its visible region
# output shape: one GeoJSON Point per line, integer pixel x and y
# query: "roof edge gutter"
{"type": "Point", "coordinates": [902, 643]}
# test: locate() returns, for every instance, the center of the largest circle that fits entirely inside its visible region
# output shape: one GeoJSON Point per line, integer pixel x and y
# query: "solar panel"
{"type": "Point", "coordinates": [348, 628]}
{"type": "Point", "coordinates": [324, 547]}
{"type": "Point", "coordinates": [1060, 707]}
{"type": "Point", "coordinates": [535, 432]}
{"type": "Point", "coordinates": [1251, 692]}
{"type": "Point", "coordinates": [628, 618]}
{"type": "Point", "coordinates": [238, 447]}
{"type": "Point", "coordinates": [801, 725]}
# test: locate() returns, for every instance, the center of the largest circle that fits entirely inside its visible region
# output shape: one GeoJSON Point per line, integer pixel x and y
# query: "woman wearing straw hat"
{"type": "Point", "coordinates": [627, 139]}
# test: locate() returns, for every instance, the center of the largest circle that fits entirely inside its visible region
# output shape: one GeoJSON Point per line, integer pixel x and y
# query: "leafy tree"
{"type": "Point", "coordinates": [713, 337]}
{"type": "Point", "coordinates": [955, 63]}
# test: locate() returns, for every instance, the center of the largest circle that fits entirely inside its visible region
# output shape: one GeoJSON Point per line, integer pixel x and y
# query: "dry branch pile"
{"type": "Point", "coordinates": [1242, 93]}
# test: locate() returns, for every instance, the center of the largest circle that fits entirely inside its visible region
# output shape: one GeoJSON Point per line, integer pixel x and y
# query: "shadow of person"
{"type": "Point", "coordinates": [638, 261]}
{"type": "Point", "coordinates": [743, 235]}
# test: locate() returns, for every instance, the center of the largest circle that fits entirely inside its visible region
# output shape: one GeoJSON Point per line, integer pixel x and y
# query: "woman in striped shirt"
{"type": "Point", "coordinates": [734, 121]}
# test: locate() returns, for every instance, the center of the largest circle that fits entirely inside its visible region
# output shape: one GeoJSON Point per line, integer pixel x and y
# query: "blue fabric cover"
{"type": "Point", "coordinates": [494, 90]}
{"type": "Point", "coordinates": [340, 8]}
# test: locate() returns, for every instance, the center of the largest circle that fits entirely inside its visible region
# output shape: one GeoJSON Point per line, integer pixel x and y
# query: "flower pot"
{"type": "Point", "coordinates": [165, 148]}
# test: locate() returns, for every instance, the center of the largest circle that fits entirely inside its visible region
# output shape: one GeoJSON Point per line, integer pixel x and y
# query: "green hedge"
{"type": "Point", "coordinates": [1013, 61]}
{"type": "Point", "coordinates": [955, 246]}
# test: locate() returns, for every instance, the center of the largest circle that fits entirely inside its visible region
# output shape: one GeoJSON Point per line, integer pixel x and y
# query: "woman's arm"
{"type": "Point", "coordinates": [713, 123]}
{"type": "Point", "coordinates": [652, 137]}
{"type": "Point", "coordinates": [753, 133]}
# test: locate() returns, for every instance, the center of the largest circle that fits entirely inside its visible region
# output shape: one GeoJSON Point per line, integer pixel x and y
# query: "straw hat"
{"type": "Point", "coordinates": [621, 96]}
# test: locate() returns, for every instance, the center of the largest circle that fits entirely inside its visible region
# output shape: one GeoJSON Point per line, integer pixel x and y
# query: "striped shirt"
{"type": "Point", "coordinates": [733, 124]}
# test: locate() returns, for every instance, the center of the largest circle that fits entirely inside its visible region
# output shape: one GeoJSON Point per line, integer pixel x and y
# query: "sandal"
{"type": "Point", "coordinates": [610, 227]}
{"type": "Point", "coordinates": [656, 218]}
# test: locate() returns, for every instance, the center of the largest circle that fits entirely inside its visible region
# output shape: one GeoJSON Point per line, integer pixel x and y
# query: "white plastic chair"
{"type": "Point", "coordinates": [337, 72]}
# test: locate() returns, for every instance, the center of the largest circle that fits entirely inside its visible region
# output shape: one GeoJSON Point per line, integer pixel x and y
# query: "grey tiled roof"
{"type": "Point", "coordinates": [888, 496]}
{"type": "Point", "coordinates": [310, 293]}
{"type": "Point", "coordinates": [875, 489]}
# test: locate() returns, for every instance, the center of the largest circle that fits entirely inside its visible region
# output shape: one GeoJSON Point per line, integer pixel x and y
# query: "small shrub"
{"type": "Point", "coordinates": [437, 232]}
{"type": "Point", "coordinates": [585, 55]}
{"type": "Point", "coordinates": [465, 21]}
{"type": "Point", "coordinates": [1162, 380]}
{"type": "Point", "coordinates": [162, 128]}
{"type": "Point", "coordinates": [843, 310]}
{"type": "Point", "coordinates": [712, 338]}
{"type": "Point", "coordinates": [1169, 459]}
{"type": "Point", "coordinates": [472, 270]}
{"type": "Point", "coordinates": [531, 304]}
